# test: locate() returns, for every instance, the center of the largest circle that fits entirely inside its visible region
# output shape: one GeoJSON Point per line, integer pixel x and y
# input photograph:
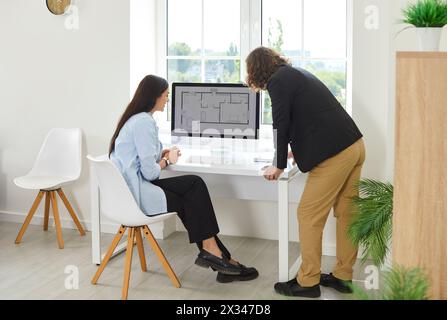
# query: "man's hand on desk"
{"type": "Point", "coordinates": [272, 173]}
{"type": "Point", "coordinates": [290, 156]}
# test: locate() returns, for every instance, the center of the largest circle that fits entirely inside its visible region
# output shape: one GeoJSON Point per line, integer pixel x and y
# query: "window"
{"type": "Point", "coordinates": [207, 40]}
{"type": "Point", "coordinates": [203, 41]}
{"type": "Point", "coordinates": [312, 34]}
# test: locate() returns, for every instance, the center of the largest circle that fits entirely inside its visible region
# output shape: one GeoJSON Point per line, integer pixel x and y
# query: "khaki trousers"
{"type": "Point", "coordinates": [331, 184]}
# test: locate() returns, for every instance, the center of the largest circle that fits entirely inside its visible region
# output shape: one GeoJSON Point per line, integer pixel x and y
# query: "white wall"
{"type": "Point", "coordinates": [371, 83]}
{"type": "Point", "coordinates": [54, 77]}
{"type": "Point", "coordinates": [143, 49]}
{"type": "Point", "coordinates": [50, 76]}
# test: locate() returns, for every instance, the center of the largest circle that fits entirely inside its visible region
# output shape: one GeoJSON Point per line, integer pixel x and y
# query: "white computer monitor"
{"type": "Point", "coordinates": [215, 110]}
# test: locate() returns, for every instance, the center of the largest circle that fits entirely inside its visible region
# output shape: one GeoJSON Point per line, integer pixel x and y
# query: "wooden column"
{"type": "Point", "coordinates": [420, 194]}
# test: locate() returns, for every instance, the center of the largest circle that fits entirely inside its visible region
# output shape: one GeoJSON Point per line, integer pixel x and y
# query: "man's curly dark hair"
{"type": "Point", "coordinates": [262, 63]}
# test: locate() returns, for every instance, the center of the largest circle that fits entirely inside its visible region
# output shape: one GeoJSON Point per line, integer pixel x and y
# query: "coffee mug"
{"type": "Point", "coordinates": [173, 155]}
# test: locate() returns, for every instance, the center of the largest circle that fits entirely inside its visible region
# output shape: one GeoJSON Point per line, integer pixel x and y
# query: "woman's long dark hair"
{"type": "Point", "coordinates": [148, 91]}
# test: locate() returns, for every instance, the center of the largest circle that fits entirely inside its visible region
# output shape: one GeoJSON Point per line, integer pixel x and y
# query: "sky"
{"type": "Point", "coordinates": [222, 23]}
{"type": "Point", "coordinates": [324, 24]}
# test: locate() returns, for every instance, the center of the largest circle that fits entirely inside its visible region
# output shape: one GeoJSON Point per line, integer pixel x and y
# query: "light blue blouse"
{"type": "Point", "coordinates": [136, 155]}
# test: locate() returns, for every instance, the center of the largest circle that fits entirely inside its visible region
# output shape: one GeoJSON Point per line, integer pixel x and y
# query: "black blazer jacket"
{"type": "Point", "coordinates": [307, 116]}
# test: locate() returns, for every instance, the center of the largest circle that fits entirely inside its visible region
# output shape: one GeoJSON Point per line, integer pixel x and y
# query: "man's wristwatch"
{"type": "Point", "coordinates": [166, 161]}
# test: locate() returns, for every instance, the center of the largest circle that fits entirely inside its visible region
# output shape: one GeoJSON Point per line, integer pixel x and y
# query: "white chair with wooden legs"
{"type": "Point", "coordinates": [118, 204]}
{"type": "Point", "coordinates": [58, 164]}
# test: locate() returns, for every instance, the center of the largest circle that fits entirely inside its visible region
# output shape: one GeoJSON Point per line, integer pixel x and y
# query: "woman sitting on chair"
{"type": "Point", "coordinates": [138, 153]}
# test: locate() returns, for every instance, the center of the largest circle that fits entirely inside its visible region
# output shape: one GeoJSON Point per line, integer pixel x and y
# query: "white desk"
{"type": "Point", "coordinates": [222, 160]}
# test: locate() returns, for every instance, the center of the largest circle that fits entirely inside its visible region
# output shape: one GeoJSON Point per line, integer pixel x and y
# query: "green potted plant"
{"type": "Point", "coordinates": [429, 17]}
{"type": "Point", "coordinates": [371, 228]}
{"type": "Point", "coordinates": [398, 284]}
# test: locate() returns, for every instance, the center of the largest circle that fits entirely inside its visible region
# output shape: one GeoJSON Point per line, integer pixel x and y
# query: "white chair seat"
{"type": "Point", "coordinates": [142, 220]}
{"type": "Point", "coordinates": [42, 182]}
{"type": "Point", "coordinates": [117, 202]}
{"type": "Point", "coordinates": [58, 162]}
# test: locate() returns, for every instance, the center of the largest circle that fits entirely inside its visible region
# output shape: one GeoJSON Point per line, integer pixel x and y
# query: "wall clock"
{"type": "Point", "coordinates": [58, 7]}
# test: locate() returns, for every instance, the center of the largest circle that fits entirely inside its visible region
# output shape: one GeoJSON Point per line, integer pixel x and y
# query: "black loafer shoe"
{"type": "Point", "coordinates": [223, 265]}
{"type": "Point", "coordinates": [328, 280]}
{"type": "Point", "coordinates": [293, 289]}
{"type": "Point", "coordinates": [246, 274]}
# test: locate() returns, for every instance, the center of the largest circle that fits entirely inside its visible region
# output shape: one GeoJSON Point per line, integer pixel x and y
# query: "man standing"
{"type": "Point", "coordinates": [325, 142]}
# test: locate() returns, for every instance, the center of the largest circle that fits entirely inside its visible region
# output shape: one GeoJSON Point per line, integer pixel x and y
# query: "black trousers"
{"type": "Point", "coordinates": [189, 197]}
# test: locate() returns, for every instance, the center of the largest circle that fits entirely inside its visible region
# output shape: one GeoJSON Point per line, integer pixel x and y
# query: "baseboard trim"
{"type": "Point", "coordinates": [160, 230]}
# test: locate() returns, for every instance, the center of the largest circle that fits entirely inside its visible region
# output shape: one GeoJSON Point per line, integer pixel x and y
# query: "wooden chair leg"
{"type": "Point", "coordinates": [57, 220]}
{"type": "Point", "coordinates": [71, 211]}
{"type": "Point", "coordinates": [148, 234]}
{"type": "Point", "coordinates": [140, 249]}
{"type": "Point", "coordinates": [109, 253]}
{"type": "Point", "coordinates": [30, 215]}
{"type": "Point", "coordinates": [128, 263]}
{"type": "Point", "coordinates": [47, 211]}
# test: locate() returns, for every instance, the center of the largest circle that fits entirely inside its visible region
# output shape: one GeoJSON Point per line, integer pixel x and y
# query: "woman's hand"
{"type": "Point", "coordinates": [272, 173]}
{"type": "Point", "coordinates": [174, 154]}
{"type": "Point", "coordinates": [165, 153]}
{"type": "Point", "coordinates": [163, 164]}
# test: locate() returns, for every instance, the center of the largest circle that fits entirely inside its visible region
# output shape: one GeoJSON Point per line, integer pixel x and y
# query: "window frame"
{"type": "Point", "coordinates": [250, 38]}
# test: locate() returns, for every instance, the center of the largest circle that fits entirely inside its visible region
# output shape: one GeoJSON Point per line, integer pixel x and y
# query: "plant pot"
{"type": "Point", "coordinates": [429, 38]}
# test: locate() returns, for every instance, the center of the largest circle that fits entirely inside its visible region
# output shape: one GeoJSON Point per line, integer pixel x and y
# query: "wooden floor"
{"type": "Point", "coordinates": [35, 269]}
